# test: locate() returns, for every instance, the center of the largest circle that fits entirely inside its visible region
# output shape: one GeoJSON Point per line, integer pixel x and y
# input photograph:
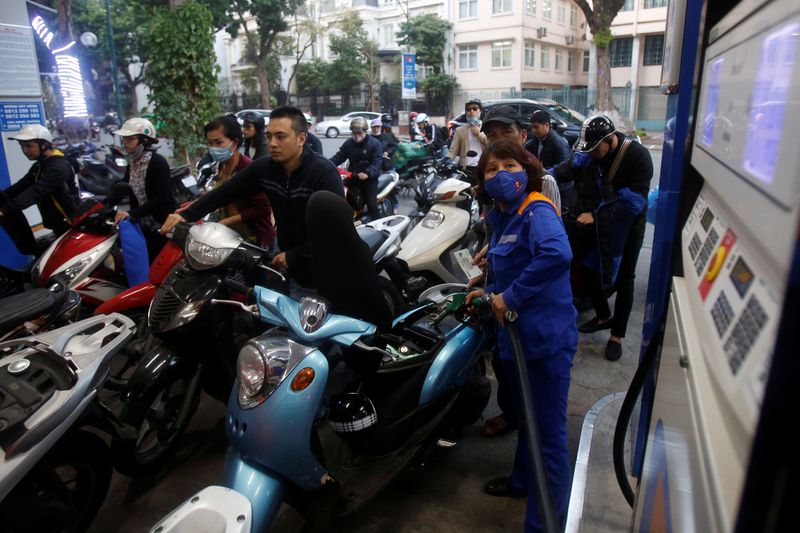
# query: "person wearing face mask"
{"type": "Point", "coordinates": [529, 260]}
{"type": "Point", "coordinates": [364, 154]}
{"type": "Point", "coordinates": [469, 138]}
{"type": "Point", "coordinates": [148, 177]}
{"type": "Point", "coordinates": [388, 142]}
{"type": "Point", "coordinates": [49, 185]}
{"type": "Point", "coordinates": [250, 216]}
{"type": "Point", "coordinates": [289, 176]}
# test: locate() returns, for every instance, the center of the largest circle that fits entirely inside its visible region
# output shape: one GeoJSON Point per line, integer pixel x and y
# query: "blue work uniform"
{"type": "Point", "coordinates": [529, 257]}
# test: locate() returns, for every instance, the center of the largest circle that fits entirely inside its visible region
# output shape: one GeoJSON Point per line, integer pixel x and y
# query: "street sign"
{"type": "Point", "coordinates": [409, 76]}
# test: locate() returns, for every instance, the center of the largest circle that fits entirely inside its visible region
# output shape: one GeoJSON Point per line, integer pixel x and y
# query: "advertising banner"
{"type": "Point", "coordinates": [409, 76]}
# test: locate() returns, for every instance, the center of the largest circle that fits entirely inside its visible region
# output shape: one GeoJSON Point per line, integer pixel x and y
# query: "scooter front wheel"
{"type": "Point", "coordinates": [159, 421]}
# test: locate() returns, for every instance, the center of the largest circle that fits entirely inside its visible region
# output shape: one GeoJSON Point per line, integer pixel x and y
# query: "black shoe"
{"type": "Point", "coordinates": [594, 325]}
{"type": "Point", "coordinates": [613, 350]}
{"type": "Point", "coordinates": [503, 488]}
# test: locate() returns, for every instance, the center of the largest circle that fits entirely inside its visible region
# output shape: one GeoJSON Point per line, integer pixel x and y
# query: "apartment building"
{"type": "Point", "coordinates": [499, 48]}
{"type": "Point", "coordinates": [502, 46]}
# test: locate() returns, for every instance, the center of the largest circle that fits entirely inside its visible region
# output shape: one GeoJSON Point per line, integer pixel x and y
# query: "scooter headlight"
{"type": "Point", "coordinates": [120, 162]}
{"type": "Point", "coordinates": [186, 314]}
{"type": "Point", "coordinates": [72, 271]}
{"type": "Point", "coordinates": [202, 256]}
{"type": "Point", "coordinates": [263, 364]}
{"type": "Point", "coordinates": [252, 370]}
{"type": "Point", "coordinates": [433, 219]}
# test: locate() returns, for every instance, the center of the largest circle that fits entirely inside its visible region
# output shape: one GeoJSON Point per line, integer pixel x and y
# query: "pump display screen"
{"type": "Point", "coordinates": [769, 101]}
{"type": "Point", "coordinates": [741, 276]}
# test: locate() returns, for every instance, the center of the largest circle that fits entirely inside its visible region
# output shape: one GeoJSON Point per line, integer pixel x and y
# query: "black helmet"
{"type": "Point", "coordinates": [474, 101]}
{"type": "Point", "coordinates": [253, 117]}
{"type": "Point", "coordinates": [386, 119]}
{"type": "Point", "coordinates": [352, 412]}
{"type": "Point", "coordinates": [593, 131]}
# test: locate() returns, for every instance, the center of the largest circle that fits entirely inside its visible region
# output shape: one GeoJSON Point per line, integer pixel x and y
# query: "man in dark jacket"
{"type": "Point", "coordinates": [612, 179]}
{"type": "Point", "coordinates": [364, 154]}
{"type": "Point", "coordinates": [289, 175]}
{"type": "Point", "coordinates": [49, 184]}
{"type": "Point", "coordinates": [546, 144]}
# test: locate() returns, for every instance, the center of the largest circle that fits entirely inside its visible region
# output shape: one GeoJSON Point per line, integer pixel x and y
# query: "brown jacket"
{"type": "Point", "coordinates": [460, 145]}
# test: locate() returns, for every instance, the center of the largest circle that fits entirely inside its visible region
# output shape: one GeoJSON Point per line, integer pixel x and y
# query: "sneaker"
{"type": "Point", "coordinates": [613, 350]}
{"type": "Point", "coordinates": [594, 325]}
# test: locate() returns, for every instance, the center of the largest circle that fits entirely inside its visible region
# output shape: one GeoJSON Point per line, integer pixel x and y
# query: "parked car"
{"type": "Point", "coordinates": [263, 112]}
{"type": "Point", "coordinates": [332, 128]}
{"type": "Point", "coordinates": [565, 120]}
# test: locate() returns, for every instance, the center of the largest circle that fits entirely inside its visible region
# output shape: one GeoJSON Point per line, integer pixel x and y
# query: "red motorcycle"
{"type": "Point", "coordinates": [88, 258]}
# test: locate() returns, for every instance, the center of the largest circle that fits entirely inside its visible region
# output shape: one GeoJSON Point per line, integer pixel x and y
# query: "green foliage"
{"type": "Point", "coordinates": [313, 74]}
{"type": "Point", "coordinates": [130, 29]}
{"type": "Point", "coordinates": [603, 38]}
{"type": "Point", "coordinates": [428, 35]}
{"type": "Point", "coordinates": [439, 90]}
{"type": "Point", "coordinates": [272, 18]}
{"type": "Point", "coordinates": [347, 43]}
{"type": "Point", "coordinates": [182, 75]}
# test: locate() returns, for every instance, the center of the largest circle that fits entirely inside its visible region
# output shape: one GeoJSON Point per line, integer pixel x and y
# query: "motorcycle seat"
{"type": "Point", "coordinates": [418, 162]}
{"type": "Point", "coordinates": [384, 180]}
{"type": "Point", "coordinates": [19, 308]}
{"type": "Point", "coordinates": [374, 238]}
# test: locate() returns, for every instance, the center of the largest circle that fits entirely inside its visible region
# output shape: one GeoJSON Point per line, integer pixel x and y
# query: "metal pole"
{"type": "Point", "coordinates": [113, 52]}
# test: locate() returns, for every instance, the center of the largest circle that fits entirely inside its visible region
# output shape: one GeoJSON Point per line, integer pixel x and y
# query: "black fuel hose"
{"type": "Point", "coordinates": [625, 412]}
{"type": "Point", "coordinates": [544, 499]}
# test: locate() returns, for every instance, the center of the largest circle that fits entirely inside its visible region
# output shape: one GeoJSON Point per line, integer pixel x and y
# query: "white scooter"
{"type": "Point", "coordinates": [54, 467]}
{"type": "Point", "coordinates": [439, 249]}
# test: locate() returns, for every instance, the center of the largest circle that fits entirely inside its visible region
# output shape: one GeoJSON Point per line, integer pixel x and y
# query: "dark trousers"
{"type": "Point", "coordinates": [19, 230]}
{"type": "Point", "coordinates": [548, 379]}
{"type": "Point", "coordinates": [369, 189]}
{"type": "Point", "coordinates": [623, 284]}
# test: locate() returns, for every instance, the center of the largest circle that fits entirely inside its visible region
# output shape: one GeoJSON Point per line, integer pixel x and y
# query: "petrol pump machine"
{"type": "Point", "coordinates": [737, 248]}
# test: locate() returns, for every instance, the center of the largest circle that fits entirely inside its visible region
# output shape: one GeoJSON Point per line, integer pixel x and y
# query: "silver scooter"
{"type": "Point", "coordinates": [54, 474]}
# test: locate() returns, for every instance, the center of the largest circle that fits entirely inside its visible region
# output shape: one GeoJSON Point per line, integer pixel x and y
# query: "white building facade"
{"type": "Point", "coordinates": [499, 48]}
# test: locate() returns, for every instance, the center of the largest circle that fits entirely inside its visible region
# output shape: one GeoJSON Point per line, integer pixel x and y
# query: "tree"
{"type": "Point", "coordinates": [357, 57]}
{"type": "Point", "coordinates": [599, 17]}
{"type": "Point", "coordinates": [182, 75]}
{"type": "Point", "coordinates": [271, 20]}
{"type": "Point", "coordinates": [427, 34]}
{"type": "Point", "coordinates": [304, 34]}
{"type": "Point", "coordinates": [130, 41]}
{"type": "Point", "coordinates": [313, 74]}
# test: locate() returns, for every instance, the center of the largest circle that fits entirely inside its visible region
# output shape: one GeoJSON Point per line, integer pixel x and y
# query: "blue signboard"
{"type": "Point", "coordinates": [409, 76]}
{"type": "Point", "coordinates": [15, 115]}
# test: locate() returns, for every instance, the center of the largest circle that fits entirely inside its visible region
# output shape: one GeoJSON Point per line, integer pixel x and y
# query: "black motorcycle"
{"type": "Point", "coordinates": [195, 341]}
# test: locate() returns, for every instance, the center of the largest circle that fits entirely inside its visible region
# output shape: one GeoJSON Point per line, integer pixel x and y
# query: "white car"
{"type": "Point", "coordinates": [332, 128]}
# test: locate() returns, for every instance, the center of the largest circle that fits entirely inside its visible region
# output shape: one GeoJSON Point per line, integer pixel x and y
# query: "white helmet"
{"type": "Point", "coordinates": [308, 118]}
{"type": "Point", "coordinates": [32, 132]}
{"type": "Point", "coordinates": [137, 126]}
{"type": "Point", "coordinates": [422, 117]}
